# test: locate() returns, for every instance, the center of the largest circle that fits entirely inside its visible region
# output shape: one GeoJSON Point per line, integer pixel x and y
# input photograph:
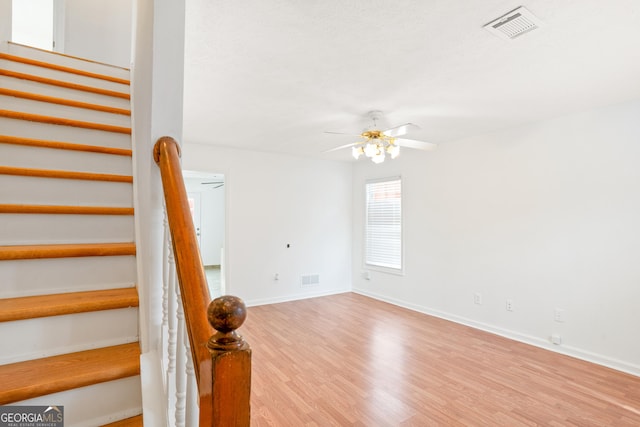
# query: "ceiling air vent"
{"type": "Point", "coordinates": [513, 24]}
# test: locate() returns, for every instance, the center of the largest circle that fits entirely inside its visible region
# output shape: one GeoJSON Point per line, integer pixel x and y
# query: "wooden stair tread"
{"type": "Point", "coordinates": [61, 83]}
{"type": "Point", "coordinates": [127, 422]}
{"type": "Point", "coordinates": [63, 101]}
{"type": "Point", "coordinates": [64, 210]}
{"type": "Point", "coordinates": [56, 67]}
{"type": "Point", "coordinates": [32, 307]}
{"type": "Point", "coordinates": [62, 174]}
{"type": "Point", "coordinates": [33, 378]}
{"type": "Point", "coordinates": [66, 55]}
{"type": "Point", "coordinates": [33, 142]}
{"type": "Point", "coordinates": [61, 121]}
{"type": "Point", "coordinates": [16, 252]}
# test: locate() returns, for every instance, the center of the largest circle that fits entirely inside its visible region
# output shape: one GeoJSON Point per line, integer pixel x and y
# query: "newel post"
{"type": "Point", "coordinates": [231, 363]}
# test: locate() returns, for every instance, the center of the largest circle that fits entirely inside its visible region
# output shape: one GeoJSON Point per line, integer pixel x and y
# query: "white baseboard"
{"type": "Point", "coordinates": [295, 297]}
{"type": "Point", "coordinates": [578, 353]}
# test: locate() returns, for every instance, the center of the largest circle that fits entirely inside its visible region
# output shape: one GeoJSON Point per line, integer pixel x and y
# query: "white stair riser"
{"type": "Point", "coordinates": [58, 275]}
{"type": "Point", "coordinates": [63, 111]}
{"type": "Point", "coordinates": [35, 338]}
{"type": "Point", "coordinates": [49, 158]}
{"type": "Point", "coordinates": [53, 191]}
{"type": "Point", "coordinates": [97, 404]}
{"type": "Point", "coordinates": [36, 229]}
{"type": "Point", "coordinates": [64, 76]}
{"type": "Point", "coordinates": [66, 61]}
{"type": "Point", "coordinates": [23, 128]}
{"type": "Point", "coordinates": [62, 92]}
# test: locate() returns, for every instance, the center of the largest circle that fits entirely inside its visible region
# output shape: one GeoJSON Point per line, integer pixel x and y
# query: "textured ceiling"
{"type": "Point", "coordinates": [274, 75]}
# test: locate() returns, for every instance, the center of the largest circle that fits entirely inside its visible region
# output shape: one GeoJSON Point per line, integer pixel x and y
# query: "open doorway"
{"type": "Point", "coordinates": [206, 193]}
{"type": "Point", "coordinates": [38, 23]}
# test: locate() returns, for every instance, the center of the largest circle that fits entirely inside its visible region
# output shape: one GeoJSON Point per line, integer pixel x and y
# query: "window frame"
{"type": "Point", "coordinates": [365, 261]}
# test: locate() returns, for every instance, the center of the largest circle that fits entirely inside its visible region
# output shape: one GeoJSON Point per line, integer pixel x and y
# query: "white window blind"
{"type": "Point", "coordinates": [383, 236]}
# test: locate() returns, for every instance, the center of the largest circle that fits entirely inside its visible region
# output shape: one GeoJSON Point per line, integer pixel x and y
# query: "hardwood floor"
{"type": "Point", "coordinates": [349, 360]}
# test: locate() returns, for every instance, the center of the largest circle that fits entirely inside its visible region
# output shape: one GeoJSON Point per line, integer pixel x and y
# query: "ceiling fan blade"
{"type": "Point", "coordinates": [343, 146]}
{"type": "Point", "coordinates": [412, 143]}
{"type": "Point", "coordinates": [400, 130]}
{"type": "Point", "coordinates": [342, 133]}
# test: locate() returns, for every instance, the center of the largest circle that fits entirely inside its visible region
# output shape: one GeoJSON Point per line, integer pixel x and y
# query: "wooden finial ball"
{"type": "Point", "coordinates": [226, 313]}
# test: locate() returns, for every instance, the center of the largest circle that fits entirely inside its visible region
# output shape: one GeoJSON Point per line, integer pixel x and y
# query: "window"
{"type": "Point", "coordinates": [383, 234]}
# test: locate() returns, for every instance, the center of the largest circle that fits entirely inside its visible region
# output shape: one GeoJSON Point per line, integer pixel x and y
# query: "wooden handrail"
{"type": "Point", "coordinates": [221, 358]}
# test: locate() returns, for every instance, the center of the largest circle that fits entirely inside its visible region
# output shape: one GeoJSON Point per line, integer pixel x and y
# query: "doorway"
{"type": "Point", "coordinates": [206, 193]}
{"type": "Point", "coordinates": [38, 23]}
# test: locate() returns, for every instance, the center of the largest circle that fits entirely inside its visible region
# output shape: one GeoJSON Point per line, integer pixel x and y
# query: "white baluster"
{"type": "Point", "coordinates": [192, 409]}
{"type": "Point", "coordinates": [181, 366]}
{"type": "Point", "coordinates": [173, 332]}
{"type": "Point", "coordinates": [165, 268]}
{"type": "Point", "coordinates": [165, 298]}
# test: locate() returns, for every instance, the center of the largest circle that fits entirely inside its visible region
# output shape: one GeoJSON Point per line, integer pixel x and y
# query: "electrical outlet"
{"type": "Point", "coordinates": [558, 315]}
{"type": "Point", "coordinates": [556, 339]}
{"type": "Point", "coordinates": [509, 305]}
{"type": "Point", "coordinates": [477, 298]}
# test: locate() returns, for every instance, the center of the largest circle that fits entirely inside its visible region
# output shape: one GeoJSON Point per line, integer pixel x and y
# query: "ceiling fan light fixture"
{"type": "Point", "coordinates": [376, 148]}
{"type": "Point", "coordinates": [370, 149]}
{"type": "Point", "coordinates": [378, 158]}
{"type": "Point", "coordinates": [393, 150]}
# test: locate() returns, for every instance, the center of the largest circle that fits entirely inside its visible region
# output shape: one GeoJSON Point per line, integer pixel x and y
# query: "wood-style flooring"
{"type": "Point", "coordinates": [349, 360]}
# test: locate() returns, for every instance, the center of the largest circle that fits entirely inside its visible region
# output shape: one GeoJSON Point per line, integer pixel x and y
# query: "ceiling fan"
{"type": "Point", "coordinates": [376, 143]}
{"type": "Point", "coordinates": [217, 184]}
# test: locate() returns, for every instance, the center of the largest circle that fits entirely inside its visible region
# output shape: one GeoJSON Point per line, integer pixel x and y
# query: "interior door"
{"type": "Point", "coordinates": [195, 203]}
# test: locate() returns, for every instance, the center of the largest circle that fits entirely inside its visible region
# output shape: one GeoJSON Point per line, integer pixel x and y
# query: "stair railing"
{"type": "Point", "coordinates": [207, 364]}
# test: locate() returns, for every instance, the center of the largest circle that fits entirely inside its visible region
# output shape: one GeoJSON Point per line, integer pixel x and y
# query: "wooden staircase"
{"type": "Point", "coordinates": [68, 301]}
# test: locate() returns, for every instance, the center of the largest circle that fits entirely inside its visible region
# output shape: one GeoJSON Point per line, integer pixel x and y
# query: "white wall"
{"type": "Point", "coordinates": [99, 30]}
{"type": "Point", "coordinates": [5, 20]}
{"type": "Point", "coordinates": [158, 49]}
{"type": "Point", "coordinates": [157, 75]}
{"type": "Point", "coordinates": [545, 214]}
{"type": "Point", "coordinates": [274, 200]}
